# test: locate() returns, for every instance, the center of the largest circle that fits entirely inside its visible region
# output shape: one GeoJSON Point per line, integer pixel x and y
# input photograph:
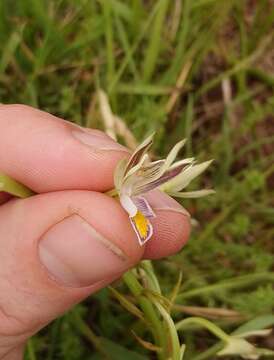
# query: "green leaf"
{"type": "Point", "coordinates": [10, 48]}
{"type": "Point", "coordinates": [155, 41]}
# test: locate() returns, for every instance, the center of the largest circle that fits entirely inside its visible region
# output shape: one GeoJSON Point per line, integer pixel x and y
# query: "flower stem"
{"type": "Point", "coordinates": [214, 329]}
{"type": "Point", "coordinates": [149, 311]}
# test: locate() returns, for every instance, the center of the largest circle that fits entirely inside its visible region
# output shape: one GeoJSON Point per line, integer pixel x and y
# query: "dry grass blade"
{"type": "Point", "coordinates": [113, 124]}
{"type": "Point", "coordinates": [210, 313]}
{"type": "Point", "coordinates": [178, 87]}
{"type": "Point", "coordinates": [175, 19]}
{"type": "Point", "coordinates": [175, 291]}
{"type": "Point", "coordinates": [107, 114]}
{"type": "Point", "coordinates": [227, 91]}
{"type": "Point", "coordinates": [123, 131]}
{"type": "Point", "coordinates": [227, 98]}
{"type": "Point", "coordinates": [146, 344]}
{"type": "Point", "coordinates": [128, 305]}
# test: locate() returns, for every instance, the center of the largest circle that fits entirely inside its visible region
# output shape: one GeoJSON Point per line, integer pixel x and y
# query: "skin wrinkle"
{"type": "Point", "coordinates": [15, 321]}
{"type": "Point", "coordinates": [25, 328]}
{"type": "Point", "coordinates": [14, 341]}
{"type": "Point", "coordinates": [13, 345]}
{"type": "Point", "coordinates": [8, 283]}
{"type": "Point", "coordinates": [14, 352]}
{"type": "Point", "coordinates": [15, 338]}
{"type": "Point", "coordinates": [96, 133]}
{"type": "Point", "coordinates": [182, 211]}
{"type": "Point", "coordinates": [10, 317]}
{"type": "Point", "coordinates": [29, 327]}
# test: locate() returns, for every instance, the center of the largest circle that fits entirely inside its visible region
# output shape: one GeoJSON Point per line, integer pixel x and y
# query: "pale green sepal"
{"type": "Point", "coordinates": [173, 153]}
{"type": "Point", "coordinates": [185, 177]}
{"type": "Point", "coordinates": [192, 194]}
{"type": "Point", "coordinates": [187, 161]}
{"type": "Point", "coordinates": [119, 173]}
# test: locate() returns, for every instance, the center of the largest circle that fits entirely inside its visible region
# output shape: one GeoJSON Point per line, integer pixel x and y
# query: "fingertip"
{"type": "Point", "coordinates": [113, 222]}
{"type": "Point", "coordinates": [171, 232]}
{"type": "Point", "coordinates": [57, 154]}
{"type": "Point", "coordinates": [56, 249]}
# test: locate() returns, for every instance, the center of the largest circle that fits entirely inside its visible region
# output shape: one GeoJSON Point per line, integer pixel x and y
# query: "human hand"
{"type": "Point", "coordinates": [69, 240]}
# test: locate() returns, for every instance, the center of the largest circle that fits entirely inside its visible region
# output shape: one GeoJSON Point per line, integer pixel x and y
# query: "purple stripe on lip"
{"type": "Point", "coordinates": [143, 206]}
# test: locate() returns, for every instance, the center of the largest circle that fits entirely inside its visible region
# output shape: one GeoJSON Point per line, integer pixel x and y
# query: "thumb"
{"type": "Point", "coordinates": [56, 249]}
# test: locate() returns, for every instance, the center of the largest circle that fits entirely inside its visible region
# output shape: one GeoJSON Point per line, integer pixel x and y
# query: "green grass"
{"type": "Point", "coordinates": [56, 54]}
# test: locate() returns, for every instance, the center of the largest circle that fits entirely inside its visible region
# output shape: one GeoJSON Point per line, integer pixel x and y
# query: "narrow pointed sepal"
{"type": "Point", "coordinates": [192, 194]}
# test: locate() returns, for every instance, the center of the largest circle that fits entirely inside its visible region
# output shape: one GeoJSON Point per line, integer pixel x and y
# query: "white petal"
{"type": "Point", "coordinates": [128, 205]}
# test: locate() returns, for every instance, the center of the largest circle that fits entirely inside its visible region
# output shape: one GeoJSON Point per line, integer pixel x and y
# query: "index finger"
{"type": "Point", "coordinates": [47, 153]}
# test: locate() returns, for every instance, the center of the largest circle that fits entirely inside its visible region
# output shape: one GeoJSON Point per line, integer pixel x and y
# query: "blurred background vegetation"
{"type": "Point", "coordinates": [201, 69]}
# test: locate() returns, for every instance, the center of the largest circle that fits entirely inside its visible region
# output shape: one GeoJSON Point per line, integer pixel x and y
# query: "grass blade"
{"type": "Point", "coordinates": [155, 40]}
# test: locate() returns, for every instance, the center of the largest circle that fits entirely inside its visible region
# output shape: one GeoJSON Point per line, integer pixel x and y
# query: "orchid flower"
{"type": "Point", "coordinates": [135, 177]}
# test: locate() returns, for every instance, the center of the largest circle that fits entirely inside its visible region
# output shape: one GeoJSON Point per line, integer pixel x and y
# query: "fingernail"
{"type": "Point", "coordinates": [76, 255]}
{"type": "Point", "coordinates": [162, 202]}
{"type": "Point", "coordinates": [97, 139]}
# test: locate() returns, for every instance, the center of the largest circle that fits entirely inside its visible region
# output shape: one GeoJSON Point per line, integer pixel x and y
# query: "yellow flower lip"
{"type": "Point", "coordinates": [141, 224]}
{"type": "Point", "coordinates": [142, 227]}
